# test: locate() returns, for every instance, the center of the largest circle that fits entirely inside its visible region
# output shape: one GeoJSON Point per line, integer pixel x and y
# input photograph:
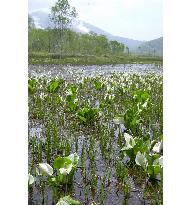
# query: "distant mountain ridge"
{"type": "Point", "coordinates": [41, 20]}
{"type": "Point", "coordinates": [154, 47]}
{"type": "Point", "coordinates": [131, 43]}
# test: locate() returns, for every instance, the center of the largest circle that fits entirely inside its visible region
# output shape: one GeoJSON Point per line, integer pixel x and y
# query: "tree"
{"type": "Point", "coordinates": [127, 48]}
{"type": "Point", "coordinates": [62, 15]}
{"type": "Point", "coordinates": [117, 47]}
{"type": "Point", "coordinates": [38, 40]}
{"type": "Point", "coordinates": [31, 24]}
{"type": "Point", "coordinates": [140, 50]}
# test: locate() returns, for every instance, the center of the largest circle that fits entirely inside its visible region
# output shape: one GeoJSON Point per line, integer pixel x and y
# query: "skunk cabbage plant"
{"type": "Point", "coordinates": [88, 115]}
{"type": "Point", "coordinates": [54, 85]}
{"type": "Point", "coordinates": [66, 166]}
{"type": "Point", "coordinates": [151, 163]}
{"type": "Point", "coordinates": [129, 148]}
{"type": "Point", "coordinates": [67, 200]}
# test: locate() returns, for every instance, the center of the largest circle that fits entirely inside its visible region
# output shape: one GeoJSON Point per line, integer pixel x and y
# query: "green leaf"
{"type": "Point", "coordinates": [66, 164]}
{"type": "Point", "coordinates": [159, 161]}
{"type": "Point", "coordinates": [153, 170]}
{"type": "Point", "coordinates": [54, 86]}
{"type": "Point", "coordinates": [82, 118]}
{"type": "Point", "coordinates": [87, 114]}
{"type": "Point", "coordinates": [73, 105]}
{"type": "Point", "coordinates": [129, 152]}
{"type": "Point", "coordinates": [30, 89]}
{"type": "Point", "coordinates": [141, 96]}
{"type": "Point", "coordinates": [62, 162]}
{"type": "Point", "coordinates": [31, 85]}
{"type": "Point", "coordinates": [98, 85]}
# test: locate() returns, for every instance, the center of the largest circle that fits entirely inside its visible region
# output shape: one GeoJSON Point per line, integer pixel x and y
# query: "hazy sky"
{"type": "Point", "coordinates": [137, 19]}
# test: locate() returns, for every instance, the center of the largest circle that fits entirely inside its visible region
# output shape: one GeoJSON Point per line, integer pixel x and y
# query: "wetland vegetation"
{"type": "Point", "coordinates": [97, 140]}
{"type": "Point", "coordinates": [95, 133]}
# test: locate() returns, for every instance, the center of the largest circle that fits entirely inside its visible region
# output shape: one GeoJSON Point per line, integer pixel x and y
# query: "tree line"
{"type": "Point", "coordinates": [49, 40]}
{"type": "Point", "coordinates": [62, 40]}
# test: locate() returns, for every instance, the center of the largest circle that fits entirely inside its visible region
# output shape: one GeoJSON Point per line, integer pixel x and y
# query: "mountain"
{"type": "Point", "coordinates": [41, 20]}
{"type": "Point", "coordinates": [154, 47]}
{"type": "Point", "coordinates": [132, 44]}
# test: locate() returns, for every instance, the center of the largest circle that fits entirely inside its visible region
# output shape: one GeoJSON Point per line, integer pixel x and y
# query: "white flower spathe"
{"type": "Point", "coordinates": [157, 147]}
{"type": "Point", "coordinates": [130, 142]}
{"type": "Point", "coordinates": [161, 161]}
{"type": "Point", "coordinates": [62, 203]}
{"type": "Point", "coordinates": [30, 179]}
{"type": "Point", "coordinates": [45, 169]}
{"type": "Point", "coordinates": [141, 160]}
{"type": "Point", "coordinates": [66, 170]}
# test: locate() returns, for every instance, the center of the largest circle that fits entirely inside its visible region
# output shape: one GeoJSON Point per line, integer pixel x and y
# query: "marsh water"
{"type": "Point", "coordinates": [113, 194]}
{"type": "Point", "coordinates": [112, 190]}
{"type": "Point", "coordinates": [72, 72]}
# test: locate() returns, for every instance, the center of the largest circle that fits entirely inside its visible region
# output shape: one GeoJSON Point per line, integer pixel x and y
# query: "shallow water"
{"type": "Point", "coordinates": [113, 194]}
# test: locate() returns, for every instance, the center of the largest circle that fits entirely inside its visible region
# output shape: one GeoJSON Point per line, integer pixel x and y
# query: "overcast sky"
{"type": "Point", "coordinates": [137, 19]}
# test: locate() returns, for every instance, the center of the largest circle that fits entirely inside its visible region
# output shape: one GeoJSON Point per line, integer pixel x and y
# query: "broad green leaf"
{"type": "Point", "coordinates": [30, 89]}
{"type": "Point", "coordinates": [153, 170]}
{"type": "Point", "coordinates": [141, 96]}
{"type": "Point", "coordinates": [88, 115]}
{"type": "Point", "coordinates": [98, 85]}
{"type": "Point", "coordinates": [150, 170]}
{"type": "Point", "coordinates": [156, 169]}
{"type": "Point", "coordinates": [45, 169]}
{"type": "Point", "coordinates": [54, 86]}
{"type": "Point", "coordinates": [159, 161]}
{"type": "Point", "coordinates": [62, 162]}
{"type": "Point", "coordinates": [129, 152]}
{"type": "Point", "coordinates": [82, 118]}
{"type": "Point", "coordinates": [152, 158]}
{"type": "Point", "coordinates": [65, 164]}
{"type": "Point", "coordinates": [31, 85]}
